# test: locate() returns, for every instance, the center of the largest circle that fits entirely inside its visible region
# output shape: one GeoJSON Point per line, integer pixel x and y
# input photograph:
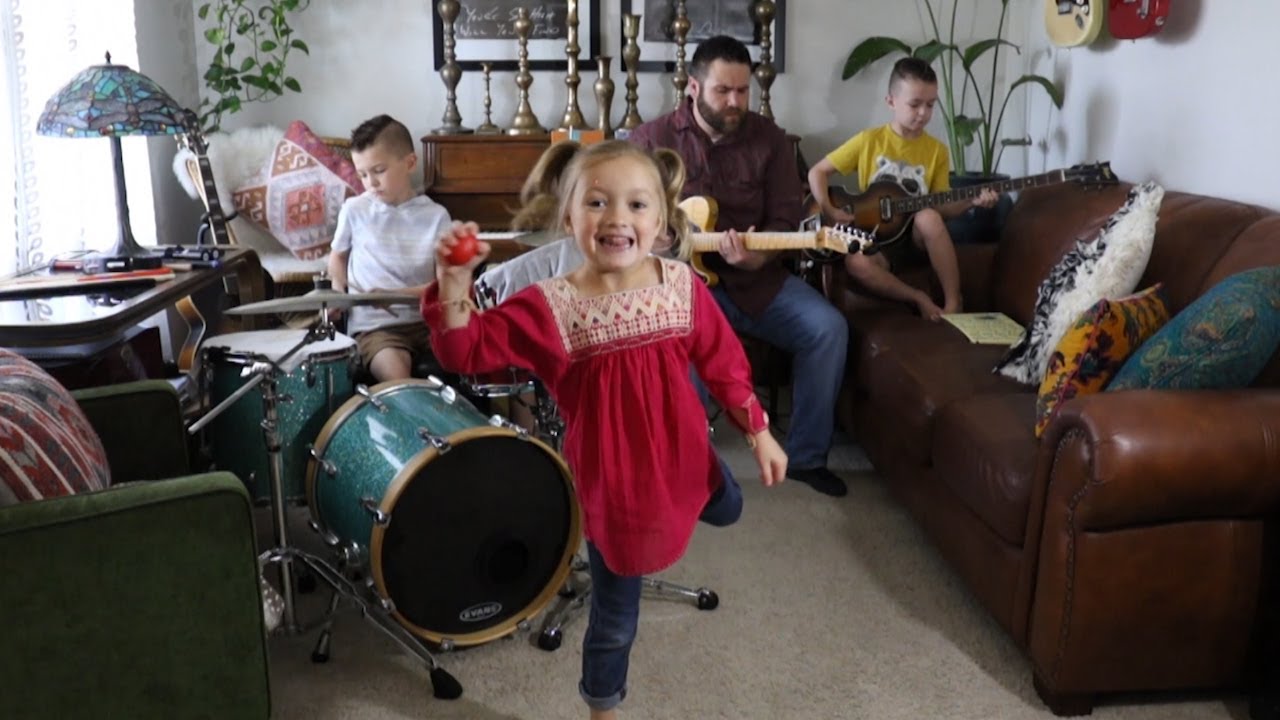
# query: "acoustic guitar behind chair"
{"type": "Point", "coordinates": [885, 209]}
{"type": "Point", "coordinates": [702, 212]}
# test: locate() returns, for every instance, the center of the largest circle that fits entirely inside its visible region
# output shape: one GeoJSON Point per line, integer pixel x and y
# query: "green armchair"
{"type": "Point", "coordinates": [141, 600]}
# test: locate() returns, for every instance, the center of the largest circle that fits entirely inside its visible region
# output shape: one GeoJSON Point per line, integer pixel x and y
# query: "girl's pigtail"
{"type": "Point", "coordinates": [671, 172]}
{"type": "Point", "coordinates": [540, 194]}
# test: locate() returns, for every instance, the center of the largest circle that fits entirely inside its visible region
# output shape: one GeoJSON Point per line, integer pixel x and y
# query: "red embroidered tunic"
{"type": "Point", "coordinates": [618, 367]}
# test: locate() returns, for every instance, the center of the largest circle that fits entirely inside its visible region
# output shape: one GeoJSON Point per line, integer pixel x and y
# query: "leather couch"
{"type": "Point", "coordinates": [1124, 550]}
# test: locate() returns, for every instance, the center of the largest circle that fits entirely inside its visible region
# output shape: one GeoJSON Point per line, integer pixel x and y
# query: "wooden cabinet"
{"type": "Point", "coordinates": [478, 177]}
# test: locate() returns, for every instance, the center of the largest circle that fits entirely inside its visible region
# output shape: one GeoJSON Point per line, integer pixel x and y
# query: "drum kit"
{"type": "Point", "coordinates": [409, 486]}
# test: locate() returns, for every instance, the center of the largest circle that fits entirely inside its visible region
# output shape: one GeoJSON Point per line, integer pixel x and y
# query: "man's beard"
{"type": "Point", "coordinates": [724, 122]}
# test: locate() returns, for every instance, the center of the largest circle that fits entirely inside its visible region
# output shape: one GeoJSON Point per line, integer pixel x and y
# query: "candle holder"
{"type": "Point", "coordinates": [525, 122]}
{"type": "Point", "coordinates": [450, 72]}
{"type": "Point", "coordinates": [487, 128]}
{"type": "Point", "coordinates": [763, 11]}
{"type": "Point", "coordinates": [572, 119]}
{"type": "Point", "coordinates": [631, 62]}
{"type": "Point", "coordinates": [604, 94]}
{"type": "Point", "coordinates": [680, 29]}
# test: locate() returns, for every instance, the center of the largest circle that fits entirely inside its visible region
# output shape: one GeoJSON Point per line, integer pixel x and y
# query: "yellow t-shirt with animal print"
{"type": "Point", "coordinates": [920, 165]}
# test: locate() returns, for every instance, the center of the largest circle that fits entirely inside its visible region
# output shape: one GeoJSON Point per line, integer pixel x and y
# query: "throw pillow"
{"type": "Point", "coordinates": [297, 195]}
{"type": "Point", "coordinates": [47, 447]}
{"type": "Point", "coordinates": [1093, 349]}
{"type": "Point", "coordinates": [1220, 341]}
{"type": "Point", "coordinates": [1108, 267]}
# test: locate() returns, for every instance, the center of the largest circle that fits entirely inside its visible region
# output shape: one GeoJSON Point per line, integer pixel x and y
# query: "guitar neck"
{"type": "Point", "coordinates": [710, 242]}
{"type": "Point", "coordinates": [217, 219]}
{"type": "Point", "coordinates": [912, 204]}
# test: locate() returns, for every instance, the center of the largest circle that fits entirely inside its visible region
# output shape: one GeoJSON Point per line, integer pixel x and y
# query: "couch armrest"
{"type": "Point", "coordinates": [141, 428]}
{"type": "Point", "coordinates": [143, 598]}
{"type": "Point", "coordinates": [1162, 455]}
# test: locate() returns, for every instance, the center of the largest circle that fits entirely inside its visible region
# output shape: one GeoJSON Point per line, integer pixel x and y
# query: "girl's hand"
{"type": "Point", "coordinates": [446, 271]}
{"type": "Point", "coordinates": [771, 458]}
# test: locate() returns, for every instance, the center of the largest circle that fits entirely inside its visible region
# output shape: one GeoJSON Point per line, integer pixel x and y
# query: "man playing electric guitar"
{"type": "Point", "coordinates": [904, 152]}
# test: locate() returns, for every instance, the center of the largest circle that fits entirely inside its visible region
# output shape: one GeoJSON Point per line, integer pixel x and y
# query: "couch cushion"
{"type": "Point", "coordinates": [1108, 266]}
{"type": "Point", "coordinates": [299, 192]}
{"type": "Point", "coordinates": [1092, 350]}
{"type": "Point", "coordinates": [47, 447]}
{"type": "Point", "coordinates": [984, 449]}
{"type": "Point", "coordinates": [1222, 340]}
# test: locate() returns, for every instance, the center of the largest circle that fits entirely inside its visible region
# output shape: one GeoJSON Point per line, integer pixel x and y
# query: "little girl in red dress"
{"type": "Point", "coordinates": [613, 341]}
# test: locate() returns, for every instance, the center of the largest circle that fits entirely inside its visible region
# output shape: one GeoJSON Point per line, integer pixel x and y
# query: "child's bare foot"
{"type": "Point", "coordinates": [928, 310]}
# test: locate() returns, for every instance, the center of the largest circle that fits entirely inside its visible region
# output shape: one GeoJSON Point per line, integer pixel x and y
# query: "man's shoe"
{"type": "Point", "coordinates": [822, 480]}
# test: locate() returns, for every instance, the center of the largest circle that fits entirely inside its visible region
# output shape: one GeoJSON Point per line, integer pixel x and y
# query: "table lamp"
{"type": "Point", "coordinates": [112, 101]}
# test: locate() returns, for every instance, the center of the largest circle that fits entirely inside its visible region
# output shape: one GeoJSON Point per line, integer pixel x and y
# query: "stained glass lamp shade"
{"type": "Point", "coordinates": [112, 101]}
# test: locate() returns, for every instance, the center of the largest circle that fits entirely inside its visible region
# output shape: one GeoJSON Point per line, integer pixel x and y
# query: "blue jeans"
{"type": "Point", "coordinates": [802, 323]}
{"type": "Point", "coordinates": [615, 609]}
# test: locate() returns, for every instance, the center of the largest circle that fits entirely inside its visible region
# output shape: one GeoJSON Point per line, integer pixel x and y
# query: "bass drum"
{"type": "Point", "coordinates": [467, 528]}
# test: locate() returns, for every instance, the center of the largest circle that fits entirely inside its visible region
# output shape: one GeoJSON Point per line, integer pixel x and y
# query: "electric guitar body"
{"type": "Point", "coordinates": [1133, 19]}
{"type": "Point", "coordinates": [884, 210]}
{"type": "Point", "coordinates": [702, 213]}
{"type": "Point", "coordinates": [1071, 23]}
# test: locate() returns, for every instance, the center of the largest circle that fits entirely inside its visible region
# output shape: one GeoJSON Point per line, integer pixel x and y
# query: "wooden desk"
{"type": "Point", "coordinates": [102, 315]}
{"type": "Point", "coordinates": [478, 177]}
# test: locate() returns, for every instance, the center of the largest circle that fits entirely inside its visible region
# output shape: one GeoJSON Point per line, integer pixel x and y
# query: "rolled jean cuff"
{"type": "Point", "coordinates": [602, 704]}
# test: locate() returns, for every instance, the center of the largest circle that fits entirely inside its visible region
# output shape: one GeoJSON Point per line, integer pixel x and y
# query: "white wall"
{"type": "Point", "coordinates": [1194, 107]}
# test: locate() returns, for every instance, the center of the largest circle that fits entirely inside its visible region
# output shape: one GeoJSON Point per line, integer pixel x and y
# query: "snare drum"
{"type": "Point", "coordinates": [504, 383]}
{"type": "Point", "coordinates": [312, 384]}
{"type": "Point", "coordinates": [467, 528]}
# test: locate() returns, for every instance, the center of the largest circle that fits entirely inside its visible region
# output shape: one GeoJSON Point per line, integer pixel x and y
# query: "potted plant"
{"type": "Point", "coordinates": [958, 72]}
{"type": "Point", "coordinates": [252, 40]}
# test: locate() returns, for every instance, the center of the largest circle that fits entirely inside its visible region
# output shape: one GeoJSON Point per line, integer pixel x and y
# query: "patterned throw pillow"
{"type": "Point", "coordinates": [1220, 341]}
{"type": "Point", "coordinates": [47, 447]}
{"type": "Point", "coordinates": [1093, 349]}
{"type": "Point", "coordinates": [1108, 267]}
{"type": "Point", "coordinates": [297, 195]}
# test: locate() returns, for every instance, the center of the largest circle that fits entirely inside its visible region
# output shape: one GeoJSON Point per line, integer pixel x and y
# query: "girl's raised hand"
{"type": "Point", "coordinates": [458, 252]}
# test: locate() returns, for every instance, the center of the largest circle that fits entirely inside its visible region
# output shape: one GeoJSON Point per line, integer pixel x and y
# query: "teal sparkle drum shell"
{"type": "Point", "coordinates": [311, 386]}
{"type": "Point", "coordinates": [481, 535]}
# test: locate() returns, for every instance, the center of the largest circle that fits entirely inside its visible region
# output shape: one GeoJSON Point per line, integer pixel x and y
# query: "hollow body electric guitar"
{"type": "Point", "coordinates": [885, 209]}
{"type": "Point", "coordinates": [1132, 19]}
{"type": "Point", "coordinates": [1070, 23]}
{"type": "Point", "coordinates": [702, 211]}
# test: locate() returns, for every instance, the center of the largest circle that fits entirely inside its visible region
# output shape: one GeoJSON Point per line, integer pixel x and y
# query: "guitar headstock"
{"type": "Point", "coordinates": [192, 138]}
{"type": "Point", "coordinates": [843, 239]}
{"type": "Point", "coordinates": [1094, 175]}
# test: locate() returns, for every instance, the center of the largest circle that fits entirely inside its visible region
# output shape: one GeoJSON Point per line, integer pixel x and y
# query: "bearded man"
{"type": "Point", "coordinates": [747, 164]}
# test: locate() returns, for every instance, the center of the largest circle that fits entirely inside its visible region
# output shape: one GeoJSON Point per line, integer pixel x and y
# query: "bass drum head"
{"type": "Point", "coordinates": [481, 537]}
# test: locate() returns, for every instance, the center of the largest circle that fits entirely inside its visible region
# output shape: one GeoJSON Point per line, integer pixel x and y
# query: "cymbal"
{"type": "Point", "coordinates": [321, 299]}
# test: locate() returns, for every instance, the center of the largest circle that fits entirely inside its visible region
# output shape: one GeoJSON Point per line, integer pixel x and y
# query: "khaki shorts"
{"type": "Point", "coordinates": [414, 338]}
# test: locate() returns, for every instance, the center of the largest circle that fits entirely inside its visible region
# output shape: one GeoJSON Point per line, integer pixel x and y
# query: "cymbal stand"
{"type": "Point", "coordinates": [282, 554]}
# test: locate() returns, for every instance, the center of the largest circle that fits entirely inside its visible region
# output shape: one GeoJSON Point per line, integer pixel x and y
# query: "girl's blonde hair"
{"type": "Point", "coordinates": [547, 193]}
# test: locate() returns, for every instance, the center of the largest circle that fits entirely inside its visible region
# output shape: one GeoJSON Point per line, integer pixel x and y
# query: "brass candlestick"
{"type": "Point", "coordinates": [680, 29]}
{"type": "Point", "coordinates": [763, 11]}
{"type": "Point", "coordinates": [488, 128]}
{"type": "Point", "coordinates": [572, 119]}
{"type": "Point", "coordinates": [631, 61]}
{"type": "Point", "coordinates": [604, 94]}
{"type": "Point", "coordinates": [525, 122]}
{"type": "Point", "coordinates": [451, 72]}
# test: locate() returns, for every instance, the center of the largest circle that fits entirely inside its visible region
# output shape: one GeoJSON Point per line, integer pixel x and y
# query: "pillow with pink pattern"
{"type": "Point", "coordinates": [297, 194]}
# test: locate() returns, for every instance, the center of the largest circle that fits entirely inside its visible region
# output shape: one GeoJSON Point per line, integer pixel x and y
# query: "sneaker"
{"type": "Point", "coordinates": [822, 480]}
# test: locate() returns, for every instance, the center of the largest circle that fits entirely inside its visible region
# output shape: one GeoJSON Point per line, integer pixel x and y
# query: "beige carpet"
{"type": "Point", "coordinates": [830, 608]}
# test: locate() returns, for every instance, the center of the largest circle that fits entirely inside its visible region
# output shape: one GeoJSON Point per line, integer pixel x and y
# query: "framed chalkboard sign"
{"type": "Point", "coordinates": [485, 32]}
{"type": "Point", "coordinates": [707, 18]}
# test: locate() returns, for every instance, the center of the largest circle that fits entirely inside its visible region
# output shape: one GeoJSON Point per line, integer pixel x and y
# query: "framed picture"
{"type": "Point", "coordinates": [707, 18]}
{"type": "Point", "coordinates": [485, 32]}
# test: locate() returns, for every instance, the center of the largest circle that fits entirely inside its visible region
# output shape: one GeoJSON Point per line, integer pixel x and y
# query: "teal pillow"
{"type": "Point", "coordinates": [1222, 340]}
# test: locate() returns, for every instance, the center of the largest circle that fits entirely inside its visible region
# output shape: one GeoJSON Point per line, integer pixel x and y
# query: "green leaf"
{"type": "Point", "coordinates": [1055, 93]}
{"type": "Point", "coordinates": [268, 45]}
{"type": "Point", "coordinates": [203, 12]}
{"type": "Point", "coordinates": [248, 64]}
{"type": "Point", "coordinates": [229, 50]}
{"type": "Point", "coordinates": [274, 87]}
{"type": "Point", "coordinates": [978, 49]}
{"type": "Point", "coordinates": [292, 84]}
{"type": "Point", "coordinates": [966, 129]}
{"type": "Point", "coordinates": [869, 51]}
{"type": "Point", "coordinates": [299, 45]}
{"type": "Point", "coordinates": [257, 81]}
{"type": "Point", "coordinates": [933, 49]}
{"type": "Point", "coordinates": [214, 35]}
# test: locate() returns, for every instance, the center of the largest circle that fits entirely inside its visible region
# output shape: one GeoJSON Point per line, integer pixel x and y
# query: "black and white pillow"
{"type": "Point", "coordinates": [1109, 267]}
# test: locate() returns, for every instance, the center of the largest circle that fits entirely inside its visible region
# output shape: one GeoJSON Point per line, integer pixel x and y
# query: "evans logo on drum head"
{"type": "Point", "coordinates": [483, 611]}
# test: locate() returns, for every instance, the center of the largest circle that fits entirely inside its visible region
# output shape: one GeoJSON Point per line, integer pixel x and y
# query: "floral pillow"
{"type": "Point", "coordinates": [297, 194]}
{"type": "Point", "coordinates": [1093, 350]}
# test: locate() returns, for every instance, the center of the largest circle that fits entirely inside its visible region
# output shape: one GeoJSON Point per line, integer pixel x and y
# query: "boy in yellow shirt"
{"type": "Point", "coordinates": [903, 152]}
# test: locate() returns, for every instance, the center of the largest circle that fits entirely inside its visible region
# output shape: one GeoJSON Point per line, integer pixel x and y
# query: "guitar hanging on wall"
{"type": "Point", "coordinates": [194, 141]}
{"type": "Point", "coordinates": [885, 209]}
{"type": "Point", "coordinates": [1133, 19]}
{"type": "Point", "coordinates": [1073, 22]}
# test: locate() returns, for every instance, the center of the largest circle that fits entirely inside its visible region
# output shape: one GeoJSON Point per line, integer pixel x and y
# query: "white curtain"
{"type": "Point", "coordinates": [58, 194]}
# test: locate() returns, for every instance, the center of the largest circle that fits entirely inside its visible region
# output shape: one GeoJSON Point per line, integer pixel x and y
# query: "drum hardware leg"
{"type": "Point", "coordinates": [705, 599]}
{"type": "Point", "coordinates": [321, 652]}
{"type": "Point", "coordinates": [372, 506]}
{"type": "Point", "coordinates": [436, 441]}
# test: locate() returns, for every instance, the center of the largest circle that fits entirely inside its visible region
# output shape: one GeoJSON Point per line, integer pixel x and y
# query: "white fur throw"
{"type": "Point", "coordinates": [1109, 267]}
